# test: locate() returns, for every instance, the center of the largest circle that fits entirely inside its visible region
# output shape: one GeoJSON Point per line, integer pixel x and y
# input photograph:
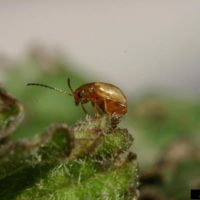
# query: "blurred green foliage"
{"type": "Point", "coordinates": [43, 106]}
{"type": "Point", "coordinates": [160, 120]}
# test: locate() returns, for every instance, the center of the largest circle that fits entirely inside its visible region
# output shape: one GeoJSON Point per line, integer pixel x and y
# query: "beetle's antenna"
{"type": "Point", "coordinates": [69, 85]}
{"type": "Point", "coordinates": [47, 86]}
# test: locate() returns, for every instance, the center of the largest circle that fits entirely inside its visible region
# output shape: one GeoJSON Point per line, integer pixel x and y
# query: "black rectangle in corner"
{"type": "Point", "coordinates": [195, 194]}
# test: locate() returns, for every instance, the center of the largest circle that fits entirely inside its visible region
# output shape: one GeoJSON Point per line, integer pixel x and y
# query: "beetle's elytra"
{"type": "Point", "coordinates": [104, 97]}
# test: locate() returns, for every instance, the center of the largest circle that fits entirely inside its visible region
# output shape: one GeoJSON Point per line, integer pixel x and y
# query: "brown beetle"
{"type": "Point", "coordinates": [104, 97]}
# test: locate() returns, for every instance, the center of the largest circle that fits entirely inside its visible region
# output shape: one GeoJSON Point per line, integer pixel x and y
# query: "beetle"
{"type": "Point", "coordinates": [104, 97]}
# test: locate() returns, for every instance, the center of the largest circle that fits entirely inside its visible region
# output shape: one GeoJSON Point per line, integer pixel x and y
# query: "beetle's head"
{"type": "Point", "coordinates": [78, 94]}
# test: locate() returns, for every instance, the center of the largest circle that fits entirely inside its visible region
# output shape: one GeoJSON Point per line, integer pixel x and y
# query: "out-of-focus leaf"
{"type": "Point", "coordinates": [11, 113]}
{"type": "Point", "coordinates": [158, 121]}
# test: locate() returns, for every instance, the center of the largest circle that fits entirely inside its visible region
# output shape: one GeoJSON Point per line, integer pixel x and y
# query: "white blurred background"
{"type": "Point", "coordinates": [136, 44]}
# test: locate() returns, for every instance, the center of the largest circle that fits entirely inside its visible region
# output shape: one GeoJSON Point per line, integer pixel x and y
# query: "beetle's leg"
{"type": "Point", "coordinates": [85, 111]}
{"type": "Point", "coordinates": [105, 106]}
{"type": "Point", "coordinates": [96, 111]}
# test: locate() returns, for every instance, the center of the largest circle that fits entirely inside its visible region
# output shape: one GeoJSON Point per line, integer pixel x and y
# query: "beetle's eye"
{"type": "Point", "coordinates": [81, 94]}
